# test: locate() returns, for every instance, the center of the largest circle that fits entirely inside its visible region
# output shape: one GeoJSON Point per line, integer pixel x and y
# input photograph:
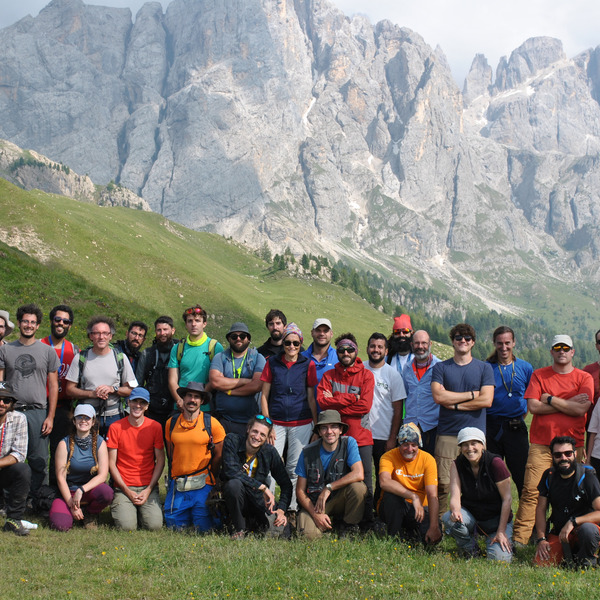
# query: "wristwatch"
{"type": "Point", "coordinates": [549, 400]}
{"type": "Point", "coordinates": [574, 521]}
{"type": "Point", "coordinates": [115, 388]}
{"type": "Point", "coordinates": [328, 487]}
{"type": "Point", "coordinates": [542, 539]}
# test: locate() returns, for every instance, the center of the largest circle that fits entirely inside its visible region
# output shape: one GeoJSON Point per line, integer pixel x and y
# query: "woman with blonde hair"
{"type": "Point", "coordinates": [81, 472]}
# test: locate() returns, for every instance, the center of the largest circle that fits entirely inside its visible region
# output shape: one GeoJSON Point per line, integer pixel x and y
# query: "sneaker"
{"type": "Point", "coordinates": [238, 535]}
{"type": "Point", "coordinates": [15, 526]}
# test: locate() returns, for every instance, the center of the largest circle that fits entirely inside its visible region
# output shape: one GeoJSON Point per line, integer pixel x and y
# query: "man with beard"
{"type": "Point", "coordinates": [320, 351]}
{"type": "Point", "coordinates": [386, 413]}
{"type": "Point", "coordinates": [61, 320]}
{"type": "Point", "coordinates": [399, 349]}
{"type": "Point", "coordinates": [573, 492]}
{"type": "Point", "coordinates": [152, 372]}
{"type": "Point", "coordinates": [348, 388]}
{"type": "Point", "coordinates": [275, 322]}
{"type": "Point", "coordinates": [132, 344]}
{"type": "Point", "coordinates": [30, 368]}
{"type": "Point", "coordinates": [235, 375]}
{"type": "Point", "coordinates": [558, 397]}
{"type": "Point", "coordinates": [6, 326]}
{"type": "Point", "coordinates": [420, 407]}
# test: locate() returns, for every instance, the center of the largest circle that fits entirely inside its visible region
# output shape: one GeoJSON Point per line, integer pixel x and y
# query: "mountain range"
{"type": "Point", "coordinates": [287, 123]}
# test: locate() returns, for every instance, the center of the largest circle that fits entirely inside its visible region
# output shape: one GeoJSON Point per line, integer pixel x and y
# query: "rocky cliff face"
{"type": "Point", "coordinates": [285, 121]}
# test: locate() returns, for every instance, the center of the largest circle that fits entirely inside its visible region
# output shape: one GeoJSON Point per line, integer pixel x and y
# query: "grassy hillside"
{"type": "Point", "coordinates": [135, 265]}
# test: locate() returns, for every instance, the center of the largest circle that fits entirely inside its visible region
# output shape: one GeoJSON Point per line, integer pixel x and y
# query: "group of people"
{"type": "Point", "coordinates": [446, 438]}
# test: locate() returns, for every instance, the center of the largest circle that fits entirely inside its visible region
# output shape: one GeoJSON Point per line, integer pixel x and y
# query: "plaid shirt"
{"type": "Point", "coordinates": [13, 433]}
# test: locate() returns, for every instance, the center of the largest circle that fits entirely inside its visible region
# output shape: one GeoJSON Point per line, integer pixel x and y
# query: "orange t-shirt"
{"type": "Point", "coordinates": [190, 444]}
{"type": "Point", "coordinates": [564, 385]}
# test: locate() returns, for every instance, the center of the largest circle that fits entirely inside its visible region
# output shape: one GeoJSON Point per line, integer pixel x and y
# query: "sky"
{"type": "Point", "coordinates": [462, 28]}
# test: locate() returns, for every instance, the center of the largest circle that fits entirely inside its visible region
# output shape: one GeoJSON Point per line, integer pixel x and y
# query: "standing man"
{"type": "Point", "coordinates": [464, 388]}
{"type": "Point", "coordinates": [136, 459]}
{"type": "Point", "coordinates": [247, 461]}
{"type": "Point", "coordinates": [131, 345]}
{"type": "Point", "coordinates": [31, 368]}
{"type": "Point", "coordinates": [320, 351]}
{"type": "Point", "coordinates": [408, 478]}
{"type": "Point", "coordinates": [420, 407]}
{"type": "Point", "coordinates": [235, 375]}
{"type": "Point", "coordinates": [389, 393]}
{"type": "Point", "coordinates": [61, 320]}
{"type": "Point", "coordinates": [275, 321]}
{"type": "Point", "coordinates": [573, 492]}
{"type": "Point", "coordinates": [330, 479]}
{"type": "Point", "coordinates": [594, 370]}
{"type": "Point", "coordinates": [558, 397]}
{"type": "Point", "coordinates": [100, 375]}
{"type": "Point", "coordinates": [194, 448]}
{"type": "Point", "coordinates": [152, 372]}
{"type": "Point", "coordinates": [505, 420]}
{"type": "Point", "coordinates": [399, 349]}
{"type": "Point", "coordinates": [348, 388]}
{"type": "Point", "coordinates": [15, 474]}
{"type": "Point", "coordinates": [6, 326]}
{"type": "Point", "coordinates": [190, 358]}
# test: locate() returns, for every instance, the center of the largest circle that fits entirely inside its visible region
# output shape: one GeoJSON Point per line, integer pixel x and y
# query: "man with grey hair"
{"type": "Point", "coordinates": [6, 326]}
{"type": "Point", "coordinates": [100, 375]}
{"type": "Point", "coordinates": [235, 375]}
{"type": "Point", "coordinates": [558, 397]}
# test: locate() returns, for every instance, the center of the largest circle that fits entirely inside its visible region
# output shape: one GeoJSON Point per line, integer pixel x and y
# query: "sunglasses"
{"type": "Point", "coordinates": [238, 336]}
{"type": "Point", "coordinates": [291, 343]}
{"type": "Point", "coordinates": [460, 338]}
{"type": "Point", "coordinates": [263, 418]}
{"type": "Point", "coordinates": [560, 347]}
{"type": "Point", "coordinates": [7, 400]}
{"type": "Point", "coordinates": [346, 350]}
{"type": "Point", "coordinates": [566, 454]}
{"type": "Point", "coordinates": [61, 320]}
{"type": "Point", "coordinates": [82, 418]}
{"type": "Point", "coordinates": [405, 330]}
{"type": "Point", "coordinates": [194, 311]}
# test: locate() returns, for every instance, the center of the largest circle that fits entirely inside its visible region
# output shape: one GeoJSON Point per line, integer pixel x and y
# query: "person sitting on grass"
{"type": "Point", "coordinates": [81, 471]}
{"type": "Point", "coordinates": [480, 499]}
{"type": "Point", "coordinates": [247, 461]}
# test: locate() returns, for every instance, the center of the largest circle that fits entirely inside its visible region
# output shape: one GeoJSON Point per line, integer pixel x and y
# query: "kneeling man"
{"type": "Point", "coordinates": [408, 480]}
{"type": "Point", "coordinates": [136, 460]}
{"type": "Point", "coordinates": [247, 461]}
{"type": "Point", "coordinates": [330, 479]}
{"type": "Point", "coordinates": [573, 492]}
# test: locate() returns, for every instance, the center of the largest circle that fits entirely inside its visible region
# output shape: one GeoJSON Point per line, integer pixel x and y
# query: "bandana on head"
{"type": "Point", "coordinates": [409, 433]}
{"type": "Point", "coordinates": [347, 342]}
{"type": "Point", "coordinates": [293, 328]}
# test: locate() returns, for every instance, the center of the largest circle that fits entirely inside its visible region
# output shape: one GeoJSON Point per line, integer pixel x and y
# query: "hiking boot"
{"type": "Point", "coordinates": [238, 535]}
{"type": "Point", "coordinates": [15, 526]}
{"type": "Point", "coordinates": [90, 522]}
{"type": "Point", "coordinates": [291, 517]}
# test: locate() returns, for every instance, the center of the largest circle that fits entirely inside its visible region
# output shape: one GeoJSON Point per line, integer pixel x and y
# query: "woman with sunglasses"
{"type": "Point", "coordinates": [288, 398]}
{"type": "Point", "coordinates": [480, 499]}
{"type": "Point", "coordinates": [81, 472]}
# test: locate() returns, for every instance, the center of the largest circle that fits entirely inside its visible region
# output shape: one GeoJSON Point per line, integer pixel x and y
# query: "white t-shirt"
{"type": "Point", "coordinates": [389, 388]}
{"type": "Point", "coordinates": [594, 427]}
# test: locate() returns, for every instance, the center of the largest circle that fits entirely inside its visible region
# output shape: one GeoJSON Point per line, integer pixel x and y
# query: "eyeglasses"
{"type": "Point", "coordinates": [263, 418]}
{"type": "Point", "coordinates": [291, 343]}
{"type": "Point", "coordinates": [405, 330]}
{"type": "Point", "coordinates": [561, 347]}
{"type": "Point", "coordinates": [238, 336]}
{"type": "Point", "coordinates": [23, 322]}
{"type": "Point", "coordinates": [61, 320]}
{"type": "Point", "coordinates": [566, 454]}
{"type": "Point", "coordinates": [137, 334]}
{"type": "Point", "coordinates": [460, 338]}
{"type": "Point", "coordinates": [196, 310]}
{"type": "Point", "coordinates": [101, 333]}
{"type": "Point", "coordinates": [346, 350]}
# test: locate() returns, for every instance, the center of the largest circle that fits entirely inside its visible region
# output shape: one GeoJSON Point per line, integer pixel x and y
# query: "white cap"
{"type": "Point", "coordinates": [468, 434]}
{"type": "Point", "coordinates": [86, 410]}
{"type": "Point", "coordinates": [319, 322]}
{"type": "Point", "coordinates": [562, 339]}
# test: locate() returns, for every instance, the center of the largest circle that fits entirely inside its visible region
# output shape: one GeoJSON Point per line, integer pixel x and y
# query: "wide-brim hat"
{"type": "Point", "coordinates": [330, 417]}
{"type": "Point", "coordinates": [239, 327]}
{"type": "Point", "coordinates": [193, 386]}
{"type": "Point", "coordinates": [10, 326]}
{"type": "Point", "coordinates": [6, 391]}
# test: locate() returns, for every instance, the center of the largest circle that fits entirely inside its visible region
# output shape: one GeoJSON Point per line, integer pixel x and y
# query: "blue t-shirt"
{"type": "Point", "coordinates": [352, 458]}
{"type": "Point", "coordinates": [511, 382]}
{"type": "Point", "coordinates": [462, 378]}
{"type": "Point", "coordinates": [82, 462]}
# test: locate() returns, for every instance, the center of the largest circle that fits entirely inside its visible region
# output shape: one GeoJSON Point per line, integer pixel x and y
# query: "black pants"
{"type": "Point", "coordinates": [15, 481]}
{"type": "Point", "coordinates": [366, 457]}
{"type": "Point", "coordinates": [512, 444]}
{"type": "Point", "coordinates": [60, 430]}
{"type": "Point", "coordinates": [399, 516]}
{"type": "Point", "coordinates": [247, 511]}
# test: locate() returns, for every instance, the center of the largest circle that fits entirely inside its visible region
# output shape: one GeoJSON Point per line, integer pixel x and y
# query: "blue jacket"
{"type": "Point", "coordinates": [288, 399]}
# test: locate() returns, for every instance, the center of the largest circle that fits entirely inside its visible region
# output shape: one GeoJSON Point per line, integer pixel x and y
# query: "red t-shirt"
{"type": "Point", "coordinates": [65, 351]}
{"type": "Point", "coordinates": [135, 449]}
{"type": "Point", "coordinates": [565, 386]}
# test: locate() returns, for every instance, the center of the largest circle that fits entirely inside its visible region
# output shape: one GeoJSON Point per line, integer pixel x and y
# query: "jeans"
{"type": "Point", "coordinates": [37, 448]}
{"type": "Point", "coordinates": [465, 534]}
{"type": "Point", "coordinates": [189, 508]}
{"type": "Point", "coordinates": [296, 438]}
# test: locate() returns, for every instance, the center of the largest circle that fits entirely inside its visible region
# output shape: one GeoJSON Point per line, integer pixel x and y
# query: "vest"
{"type": "Point", "coordinates": [316, 477]}
{"type": "Point", "coordinates": [288, 397]}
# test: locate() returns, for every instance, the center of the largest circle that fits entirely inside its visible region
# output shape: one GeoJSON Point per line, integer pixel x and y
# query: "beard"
{"type": "Point", "coordinates": [564, 469]}
{"type": "Point", "coordinates": [276, 335]}
{"type": "Point", "coordinates": [59, 335]}
{"type": "Point", "coordinates": [399, 345]}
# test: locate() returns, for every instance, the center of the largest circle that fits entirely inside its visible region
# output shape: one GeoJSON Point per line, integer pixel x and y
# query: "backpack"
{"type": "Point", "coordinates": [210, 446]}
{"type": "Point", "coordinates": [181, 347]}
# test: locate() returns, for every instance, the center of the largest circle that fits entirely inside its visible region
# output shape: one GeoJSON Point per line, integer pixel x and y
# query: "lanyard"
{"type": "Point", "coordinates": [2, 438]}
{"type": "Point", "coordinates": [512, 376]}
{"type": "Point", "coordinates": [62, 349]}
{"type": "Point", "coordinates": [237, 373]}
